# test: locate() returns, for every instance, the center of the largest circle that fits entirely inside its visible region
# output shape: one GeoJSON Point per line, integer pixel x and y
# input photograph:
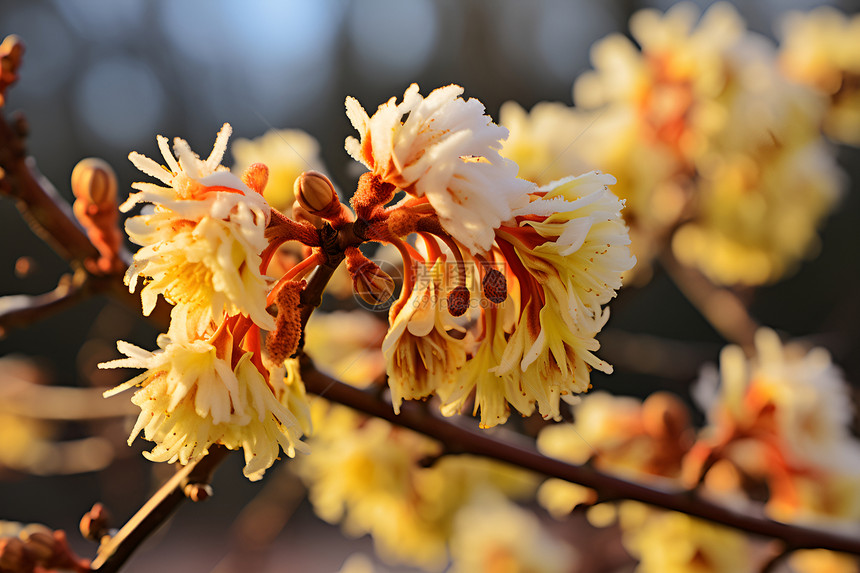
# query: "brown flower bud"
{"type": "Point", "coordinates": [458, 301]}
{"type": "Point", "coordinates": [372, 284]}
{"type": "Point", "coordinates": [301, 214]}
{"type": "Point", "coordinates": [256, 176]}
{"type": "Point", "coordinates": [14, 555]}
{"type": "Point", "coordinates": [198, 491]}
{"type": "Point", "coordinates": [495, 286]}
{"type": "Point", "coordinates": [95, 523]}
{"type": "Point", "coordinates": [315, 193]}
{"type": "Point", "coordinates": [94, 181]}
{"type": "Point", "coordinates": [665, 416]}
{"type": "Point", "coordinates": [40, 543]}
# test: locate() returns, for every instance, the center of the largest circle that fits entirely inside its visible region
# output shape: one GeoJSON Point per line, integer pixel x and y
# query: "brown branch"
{"type": "Point", "coordinates": [23, 310]}
{"type": "Point", "coordinates": [115, 551]}
{"type": "Point", "coordinates": [48, 215]}
{"type": "Point", "coordinates": [721, 307]}
{"type": "Point", "coordinates": [416, 418]}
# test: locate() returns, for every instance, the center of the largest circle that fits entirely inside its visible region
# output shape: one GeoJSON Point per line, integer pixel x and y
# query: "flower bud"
{"type": "Point", "coordinates": [94, 181]}
{"type": "Point", "coordinates": [302, 215]}
{"type": "Point", "coordinates": [458, 301]}
{"type": "Point", "coordinates": [372, 284]}
{"type": "Point", "coordinates": [315, 193]}
{"type": "Point", "coordinates": [14, 555]}
{"type": "Point", "coordinates": [256, 176]}
{"type": "Point", "coordinates": [40, 543]}
{"type": "Point", "coordinates": [495, 286]}
{"type": "Point", "coordinates": [664, 416]}
{"type": "Point", "coordinates": [95, 523]}
{"type": "Point", "coordinates": [198, 491]}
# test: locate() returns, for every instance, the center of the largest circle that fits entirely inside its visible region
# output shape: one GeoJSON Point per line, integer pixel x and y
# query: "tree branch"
{"type": "Point", "coordinates": [719, 306]}
{"type": "Point", "coordinates": [114, 552]}
{"type": "Point", "coordinates": [414, 417]}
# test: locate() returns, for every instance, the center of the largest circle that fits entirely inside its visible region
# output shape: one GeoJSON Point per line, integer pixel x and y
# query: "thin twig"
{"type": "Point", "coordinates": [115, 551]}
{"type": "Point", "coordinates": [719, 306]}
{"type": "Point", "coordinates": [23, 310]}
{"type": "Point", "coordinates": [481, 443]}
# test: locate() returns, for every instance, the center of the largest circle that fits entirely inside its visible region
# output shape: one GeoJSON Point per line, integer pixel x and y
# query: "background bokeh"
{"type": "Point", "coordinates": [103, 77]}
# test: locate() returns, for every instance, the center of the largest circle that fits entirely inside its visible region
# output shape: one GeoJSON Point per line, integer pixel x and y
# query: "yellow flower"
{"type": "Point", "coordinates": [345, 344]}
{"type": "Point", "coordinates": [493, 392]}
{"type": "Point", "coordinates": [364, 473]}
{"type": "Point", "coordinates": [671, 542]}
{"type": "Point", "coordinates": [192, 397]}
{"type": "Point", "coordinates": [548, 142]}
{"type": "Point", "coordinates": [420, 353]}
{"type": "Point", "coordinates": [784, 417]}
{"type": "Point", "coordinates": [573, 245]}
{"type": "Point", "coordinates": [821, 49]}
{"type": "Point", "coordinates": [638, 440]}
{"type": "Point", "coordinates": [445, 150]}
{"type": "Point", "coordinates": [765, 183]}
{"type": "Point", "coordinates": [822, 561]}
{"type": "Point", "coordinates": [201, 245]}
{"type": "Point", "coordinates": [492, 535]}
{"type": "Point", "coordinates": [287, 153]}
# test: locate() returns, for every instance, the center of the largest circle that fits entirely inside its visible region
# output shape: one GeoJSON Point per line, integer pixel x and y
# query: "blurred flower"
{"type": "Point", "coordinates": [201, 244]}
{"type": "Point", "coordinates": [706, 135]}
{"type": "Point", "coordinates": [365, 474]}
{"type": "Point", "coordinates": [765, 182]}
{"type": "Point", "coordinates": [784, 417]}
{"type": "Point", "coordinates": [543, 142]}
{"type": "Point", "coordinates": [671, 542]}
{"type": "Point", "coordinates": [637, 440]}
{"type": "Point", "coordinates": [345, 344]}
{"type": "Point", "coordinates": [492, 535]}
{"type": "Point", "coordinates": [193, 395]}
{"type": "Point", "coordinates": [287, 153]}
{"type": "Point", "coordinates": [445, 150]}
{"type": "Point", "coordinates": [821, 49]}
{"type": "Point", "coordinates": [822, 561]}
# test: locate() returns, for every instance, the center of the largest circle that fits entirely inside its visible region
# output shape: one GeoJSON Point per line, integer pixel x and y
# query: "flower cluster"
{"type": "Point", "coordinates": [366, 475]}
{"type": "Point", "coordinates": [778, 422]}
{"type": "Point", "coordinates": [201, 246]}
{"type": "Point", "coordinates": [718, 154]}
{"type": "Point", "coordinates": [501, 304]}
{"type": "Point", "coordinates": [543, 260]}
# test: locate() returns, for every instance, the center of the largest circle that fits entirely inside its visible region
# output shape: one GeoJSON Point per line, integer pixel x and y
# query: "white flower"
{"type": "Point", "coordinates": [446, 150]}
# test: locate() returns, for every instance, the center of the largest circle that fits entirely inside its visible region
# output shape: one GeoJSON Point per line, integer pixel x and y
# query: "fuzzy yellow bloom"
{"type": "Point", "coordinates": [572, 242]}
{"type": "Point", "coordinates": [345, 344]}
{"type": "Point", "coordinates": [364, 473]}
{"type": "Point", "coordinates": [287, 153]}
{"type": "Point", "coordinates": [671, 542]}
{"type": "Point", "coordinates": [547, 142]}
{"type": "Point", "coordinates": [191, 396]}
{"type": "Point", "coordinates": [823, 561]}
{"type": "Point", "coordinates": [420, 353]}
{"type": "Point", "coordinates": [821, 49]}
{"type": "Point", "coordinates": [201, 244]}
{"type": "Point", "coordinates": [706, 132]}
{"type": "Point", "coordinates": [784, 417]}
{"type": "Point", "coordinates": [765, 182]}
{"type": "Point", "coordinates": [492, 535]}
{"type": "Point", "coordinates": [643, 441]}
